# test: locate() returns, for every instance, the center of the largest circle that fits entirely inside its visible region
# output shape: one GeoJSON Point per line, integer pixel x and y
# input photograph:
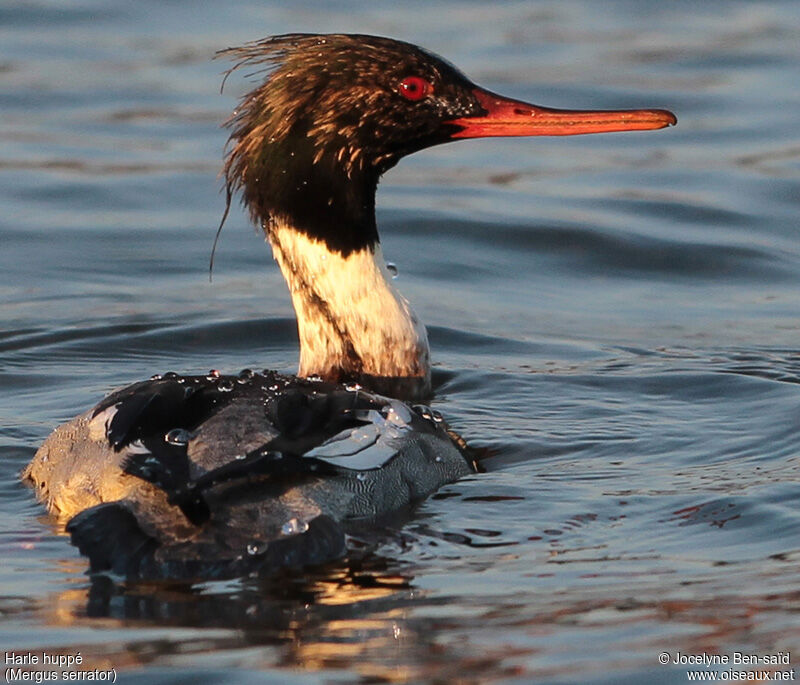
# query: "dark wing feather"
{"type": "Point", "coordinates": [304, 414]}
{"type": "Point", "coordinates": [154, 407]}
{"type": "Point", "coordinates": [110, 536]}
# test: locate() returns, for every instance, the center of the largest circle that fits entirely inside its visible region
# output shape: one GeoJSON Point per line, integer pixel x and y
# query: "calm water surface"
{"type": "Point", "coordinates": [614, 321]}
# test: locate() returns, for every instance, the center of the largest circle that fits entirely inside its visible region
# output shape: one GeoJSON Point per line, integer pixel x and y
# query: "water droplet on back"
{"type": "Point", "coordinates": [423, 411]}
{"type": "Point", "coordinates": [178, 436]}
{"type": "Point", "coordinates": [391, 267]}
{"type": "Point", "coordinates": [398, 414]}
{"type": "Point", "coordinates": [294, 526]}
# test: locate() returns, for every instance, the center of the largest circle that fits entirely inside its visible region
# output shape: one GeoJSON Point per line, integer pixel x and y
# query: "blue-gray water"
{"type": "Point", "coordinates": [614, 319]}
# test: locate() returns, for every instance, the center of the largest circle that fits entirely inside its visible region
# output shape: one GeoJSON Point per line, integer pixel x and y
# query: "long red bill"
{"type": "Point", "coordinates": [506, 117]}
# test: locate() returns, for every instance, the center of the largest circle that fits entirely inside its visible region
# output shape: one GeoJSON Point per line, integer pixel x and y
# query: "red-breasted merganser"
{"type": "Point", "coordinates": [217, 476]}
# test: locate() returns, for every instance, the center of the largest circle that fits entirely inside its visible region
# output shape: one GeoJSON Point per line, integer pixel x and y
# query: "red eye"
{"type": "Point", "coordinates": [414, 88]}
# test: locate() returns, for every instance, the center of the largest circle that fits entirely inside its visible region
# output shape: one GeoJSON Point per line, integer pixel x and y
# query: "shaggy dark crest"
{"type": "Point", "coordinates": [310, 143]}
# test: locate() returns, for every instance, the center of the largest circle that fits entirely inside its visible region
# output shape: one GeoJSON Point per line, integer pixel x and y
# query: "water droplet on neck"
{"type": "Point", "coordinates": [352, 387]}
{"type": "Point", "coordinates": [225, 385]}
{"type": "Point", "coordinates": [252, 548]}
{"type": "Point", "coordinates": [361, 476]}
{"type": "Point", "coordinates": [391, 267]}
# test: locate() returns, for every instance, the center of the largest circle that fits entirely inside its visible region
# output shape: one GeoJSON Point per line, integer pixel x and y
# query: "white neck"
{"type": "Point", "coordinates": [352, 322]}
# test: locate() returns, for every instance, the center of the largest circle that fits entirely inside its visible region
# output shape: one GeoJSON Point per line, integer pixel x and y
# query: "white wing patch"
{"type": "Point", "coordinates": [137, 447]}
{"type": "Point", "coordinates": [369, 446]}
{"type": "Point", "coordinates": [98, 426]}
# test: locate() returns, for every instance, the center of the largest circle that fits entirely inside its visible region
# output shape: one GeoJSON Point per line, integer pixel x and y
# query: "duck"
{"type": "Point", "coordinates": [224, 475]}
